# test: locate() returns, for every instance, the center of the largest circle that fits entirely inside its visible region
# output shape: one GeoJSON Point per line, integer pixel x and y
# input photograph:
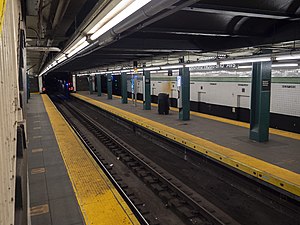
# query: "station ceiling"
{"type": "Point", "coordinates": [192, 26]}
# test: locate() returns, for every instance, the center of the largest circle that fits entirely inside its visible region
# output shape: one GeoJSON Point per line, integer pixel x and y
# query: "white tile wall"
{"type": "Point", "coordinates": [283, 100]}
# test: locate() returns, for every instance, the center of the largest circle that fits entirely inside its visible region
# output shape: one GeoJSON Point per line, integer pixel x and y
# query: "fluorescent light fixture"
{"type": "Point", "coordinates": [59, 57]}
{"type": "Point", "coordinates": [54, 63]}
{"type": "Point", "coordinates": [288, 57]}
{"type": "Point", "coordinates": [82, 74]}
{"type": "Point", "coordinates": [79, 43]}
{"type": "Point", "coordinates": [246, 60]}
{"type": "Point", "coordinates": [244, 67]}
{"type": "Point", "coordinates": [151, 68]}
{"type": "Point", "coordinates": [273, 65]}
{"type": "Point", "coordinates": [167, 67]}
{"type": "Point", "coordinates": [125, 71]}
{"type": "Point", "coordinates": [62, 59]}
{"type": "Point", "coordinates": [285, 65]}
{"type": "Point", "coordinates": [111, 14]}
{"type": "Point", "coordinates": [118, 17]}
{"type": "Point", "coordinates": [201, 64]}
{"type": "Point", "coordinates": [160, 71]}
{"type": "Point", "coordinates": [78, 48]}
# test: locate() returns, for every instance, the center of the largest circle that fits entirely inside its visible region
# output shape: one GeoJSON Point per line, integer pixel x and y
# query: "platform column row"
{"type": "Point", "coordinates": [260, 101]}
{"type": "Point", "coordinates": [109, 86]}
{"type": "Point", "coordinates": [99, 90]}
{"type": "Point", "coordinates": [146, 90]}
{"type": "Point", "coordinates": [124, 88]}
{"type": "Point", "coordinates": [184, 94]}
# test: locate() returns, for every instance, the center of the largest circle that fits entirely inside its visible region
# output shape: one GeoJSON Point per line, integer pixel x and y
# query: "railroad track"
{"type": "Point", "coordinates": [191, 208]}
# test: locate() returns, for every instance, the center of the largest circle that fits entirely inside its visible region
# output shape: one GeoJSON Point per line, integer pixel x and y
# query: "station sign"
{"type": "Point", "coordinates": [219, 66]}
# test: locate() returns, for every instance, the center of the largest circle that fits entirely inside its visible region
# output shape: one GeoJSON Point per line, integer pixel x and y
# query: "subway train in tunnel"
{"type": "Point", "coordinates": [58, 83]}
{"type": "Point", "coordinates": [222, 96]}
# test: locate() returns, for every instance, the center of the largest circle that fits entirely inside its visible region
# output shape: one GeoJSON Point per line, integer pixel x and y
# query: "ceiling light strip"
{"type": "Point", "coordinates": [126, 12]}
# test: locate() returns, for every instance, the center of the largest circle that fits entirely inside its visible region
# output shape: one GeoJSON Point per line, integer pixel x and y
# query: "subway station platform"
{"type": "Point", "coordinates": [227, 141]}
{"type": "Point", "coordinates": [66, 186]}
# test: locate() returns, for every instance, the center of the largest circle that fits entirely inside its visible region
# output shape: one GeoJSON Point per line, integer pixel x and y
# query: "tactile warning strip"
{"type": "Point", "coordinates": [98, 199]}
{"type": "Point", "coordinates": [277, 176]}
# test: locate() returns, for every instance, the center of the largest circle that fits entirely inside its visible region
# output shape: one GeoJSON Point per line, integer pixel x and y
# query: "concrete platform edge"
{"type": "Point", "coordinates": [266, 172]}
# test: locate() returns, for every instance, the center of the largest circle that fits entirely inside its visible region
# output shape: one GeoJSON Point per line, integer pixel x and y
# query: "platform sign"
{"type": "Point", "coordinates": [178, 81]}
{"type": "Point", "coordinates": [266, 84]}
{"type": "Point", "coordinates": [144, 88]}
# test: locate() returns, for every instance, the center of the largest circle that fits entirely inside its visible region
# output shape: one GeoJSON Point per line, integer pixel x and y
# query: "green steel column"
{"type": "Point", "coordinates": [99, 84]}
{"type": "Point", "coordinates": [28, 88]}
{"type": "Point", "coordinates": [124, 88]}
{"type": "Point", "coordinates": [90, 85]}
{"type": "Point", "coordinates": [109, 86]}
{"type": "Point", "coordinates": [260, 101]}
{"type": "Point", "coordinates": [146, 90]}
{"type": "Point", "coordinates": [184, 111]}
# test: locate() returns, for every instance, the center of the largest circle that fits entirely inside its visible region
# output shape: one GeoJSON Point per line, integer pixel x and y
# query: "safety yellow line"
{"type": "Point", "coordinates": [233, 122]}
{"type": "Point", "coordinates": [277, 176]}
{"type": "Point", "coordinates": [2, 10]}
{"type": "Point", "coordinates": [98, 199]}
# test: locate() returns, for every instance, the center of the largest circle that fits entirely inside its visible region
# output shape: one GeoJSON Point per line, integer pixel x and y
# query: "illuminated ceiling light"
{"type": "Point", "coordinates": [273, 65]}
{"type": "Point", "coordinates": [82, 74]}
{"type": "Point", "coordinates": [244, 67]}
{"type": "Point", "coordinates": [151, 68]}
{"type": "Point", "coordinates": [288, 57]}
{"type": "Point", "coordinates": [159, 71]}
{"type": "Point", "coordinates": [247, 60]}
{"type": "Point", "coordinates": [111, 14]}
{"type": "Point", "coordinates": [61, 59]}
{"type": "Point", "coordinates": [285, 65]}
{"type": "Point", "coordinates": [54, 63]}
{"type": "Point", "coordinates": [80, 42]}
{"type": "Point", "coordinates": [119, 16]}
{"type": "Point", "coordinates": [167, 67]}
{"type": "Point", "coordinates": [78, 48]}
{"type": "Point", "coordinates": [125, 71]}
{"type": "Point", "coordinates": [201, 64]}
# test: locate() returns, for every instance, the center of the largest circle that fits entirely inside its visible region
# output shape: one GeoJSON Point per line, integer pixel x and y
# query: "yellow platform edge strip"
{"type": "Point", "coordinates": [232, 122]}
{"type": "Point", "coordinates": [99, 201]}
{"type": "Point", "coordinates": [275, 175]}
{"type": "Point", "coordinates": [2, 10]}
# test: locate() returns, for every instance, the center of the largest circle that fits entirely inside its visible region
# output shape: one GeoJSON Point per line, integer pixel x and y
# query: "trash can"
{"type": "Point", "coordinates": [163, 103]}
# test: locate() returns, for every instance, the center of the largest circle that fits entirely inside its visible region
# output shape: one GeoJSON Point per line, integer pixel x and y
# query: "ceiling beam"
{"type": "Point", "coordinates": [43, 49]}
{"type": "Point", "coordinates": [153, 45]}
{"type": "Point", "coordinates": [206, 33]}
{"type": "Point", "coordinates": [234, 11]}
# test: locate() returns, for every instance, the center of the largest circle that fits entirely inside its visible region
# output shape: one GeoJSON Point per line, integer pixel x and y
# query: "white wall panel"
{"type": "Point", "coordinates": [9, 105]}
{"type": "Point", "coordinates": [285, 99]}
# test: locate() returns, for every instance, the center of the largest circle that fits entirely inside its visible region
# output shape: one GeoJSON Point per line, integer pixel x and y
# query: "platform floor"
{"type": "Point", "coordinates": [278, 158]}
{"type": "Point", "coordinates": [66, 186]}
{"type": "Point", "coordinates": [52, 199]}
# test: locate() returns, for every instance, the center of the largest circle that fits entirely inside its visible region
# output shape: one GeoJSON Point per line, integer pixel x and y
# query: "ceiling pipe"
{"type": "Point", "coordinates": [59, 13]}
{"type": "Point", "coordinates": [146, 12]}
{"type": "Point", "coordinates": [42, 49]}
